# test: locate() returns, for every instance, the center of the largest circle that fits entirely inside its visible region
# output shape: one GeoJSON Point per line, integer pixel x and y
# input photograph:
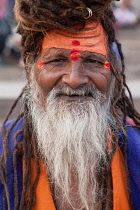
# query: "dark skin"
{"type": "Point", "coordinates": [56, 67]}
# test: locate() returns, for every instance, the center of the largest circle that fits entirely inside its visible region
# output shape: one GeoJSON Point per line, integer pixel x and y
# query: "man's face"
{"type": "Point", "coordinates": [74, 60]}
{"type": "Point", "coordinates": [72, 68]}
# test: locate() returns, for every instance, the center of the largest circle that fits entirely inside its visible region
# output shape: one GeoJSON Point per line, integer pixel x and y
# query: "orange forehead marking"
{"type": "Point", "coordinates": [40, 64]}
{"type": "Point", "coordinates": [92, 38]}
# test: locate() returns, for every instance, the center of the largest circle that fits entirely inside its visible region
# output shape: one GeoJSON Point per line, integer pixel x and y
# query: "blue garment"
{"type": "Point", "coordinates": [16, 128]}
{"type": "Point", "coordinates": [133, 158]}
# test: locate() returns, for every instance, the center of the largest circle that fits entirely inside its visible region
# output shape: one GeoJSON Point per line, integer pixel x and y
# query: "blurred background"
{"type": "Point", "coordinates": [12, 76]}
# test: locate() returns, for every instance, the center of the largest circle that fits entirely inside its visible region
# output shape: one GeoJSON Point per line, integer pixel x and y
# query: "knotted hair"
{"type": "Point", "coordinates": [35, 18]}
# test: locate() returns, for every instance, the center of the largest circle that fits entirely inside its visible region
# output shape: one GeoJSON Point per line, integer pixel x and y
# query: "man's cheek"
{"type": "Point", "coordinates": [47, 81]}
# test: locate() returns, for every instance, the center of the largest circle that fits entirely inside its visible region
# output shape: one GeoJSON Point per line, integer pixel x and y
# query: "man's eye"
{"type": "Point", "coordinates": [58, 60]}
{"type": "Point", "coordinates": [91, 61]}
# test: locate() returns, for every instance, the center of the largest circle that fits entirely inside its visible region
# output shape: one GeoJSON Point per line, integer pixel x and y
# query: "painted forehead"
{"type": "Point", "coordinates": [53, 53]}
{"type": "Point", "coordinates": [92, 38]}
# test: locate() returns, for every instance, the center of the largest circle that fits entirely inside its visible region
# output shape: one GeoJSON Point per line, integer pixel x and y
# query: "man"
{"type": "Point", "coordinates": [71, 147]}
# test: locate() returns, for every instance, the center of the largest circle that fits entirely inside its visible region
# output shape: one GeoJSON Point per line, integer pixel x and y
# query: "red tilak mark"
{"type": "Point", "coordinates": [40, 64]}
{"type": "Point", "coordinates": [74, 51]}
{"type": "Point", "coordinates": [74, 58]}
{"type": "Point", "coordinates": [75, 54]}
{"type": "Point", "coordinates": [75, 43]}
{"type": "Point", "coordinates": [107, 65]}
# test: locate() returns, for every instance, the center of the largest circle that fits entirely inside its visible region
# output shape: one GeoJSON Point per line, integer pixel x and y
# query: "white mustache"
{"type": "Point", "coordinates": [81, 91]}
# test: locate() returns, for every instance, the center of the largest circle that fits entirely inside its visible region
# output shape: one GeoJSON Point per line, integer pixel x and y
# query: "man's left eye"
{"type": "Point", "coordinates": [90, 61]}
{"type": "Point", "coordinates": [58, 60]}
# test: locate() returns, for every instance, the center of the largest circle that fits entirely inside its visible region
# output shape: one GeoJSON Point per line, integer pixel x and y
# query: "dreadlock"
{"type": "Point", "coordinates": [35, 18]}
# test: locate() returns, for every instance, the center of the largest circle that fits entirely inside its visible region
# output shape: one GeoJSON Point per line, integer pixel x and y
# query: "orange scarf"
{"type": "Point", "coordinates": [119, 180]}
{"type": "Point", "coordinates": [44, 198]}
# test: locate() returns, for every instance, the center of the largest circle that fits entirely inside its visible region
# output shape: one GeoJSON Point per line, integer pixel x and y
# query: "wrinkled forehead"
{"type": "Point", "coordinates": [91, 38]}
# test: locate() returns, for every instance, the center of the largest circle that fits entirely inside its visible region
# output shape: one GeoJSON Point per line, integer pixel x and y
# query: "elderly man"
{"type": "Point", "coordinates": [71, 147]}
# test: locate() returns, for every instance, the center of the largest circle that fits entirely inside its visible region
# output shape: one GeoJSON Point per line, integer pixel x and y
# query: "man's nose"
{"type": "Point", "coordinates": [75, 76]}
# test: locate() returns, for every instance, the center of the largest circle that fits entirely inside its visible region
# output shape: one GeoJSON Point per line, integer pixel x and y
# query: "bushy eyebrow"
{"type": "Point", "coordinates": [92, 55]}
{"type": "Point", "coordinates": [56, 53]}
{"type": "Point", "coordinates": [53, 53]}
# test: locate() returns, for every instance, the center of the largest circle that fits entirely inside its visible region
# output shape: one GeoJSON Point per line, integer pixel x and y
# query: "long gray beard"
{"type": "Point", "coordinates": [72, 140]}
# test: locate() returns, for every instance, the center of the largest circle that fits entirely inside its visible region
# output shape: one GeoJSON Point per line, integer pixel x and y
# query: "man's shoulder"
{"type": "Point", "coordinates": [133, 162]}
{"type": "Point", "coordinates": [133, 135]}
{"type": "Point", "coordinates": [133, 146]}
{"type": "Point", "coordinates": [13, 128]}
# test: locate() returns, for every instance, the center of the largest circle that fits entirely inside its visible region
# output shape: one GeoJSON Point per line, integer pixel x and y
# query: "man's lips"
{"type": "Point", "coordinates": [73, 97]}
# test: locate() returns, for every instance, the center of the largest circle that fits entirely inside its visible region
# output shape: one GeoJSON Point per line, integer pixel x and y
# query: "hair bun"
{"type": "Point", "coordinates": [44, 15]}
{"type": "Point", "coordinates": [35, 17]}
